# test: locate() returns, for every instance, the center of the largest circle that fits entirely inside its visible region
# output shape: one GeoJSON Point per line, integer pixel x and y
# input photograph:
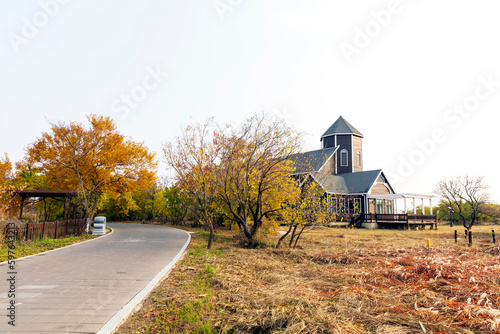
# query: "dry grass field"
{"type": "Point", "coordinates": [338, 281]}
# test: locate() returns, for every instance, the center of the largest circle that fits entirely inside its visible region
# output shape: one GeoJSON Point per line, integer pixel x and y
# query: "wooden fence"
{"type": "Point", "coordinates": [36, 231]}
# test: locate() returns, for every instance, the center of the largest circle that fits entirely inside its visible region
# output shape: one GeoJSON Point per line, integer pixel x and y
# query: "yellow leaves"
{"type": "Point", "coordinates": [5, 170]}
{"type": "Point", "coordinates": [94, 160]}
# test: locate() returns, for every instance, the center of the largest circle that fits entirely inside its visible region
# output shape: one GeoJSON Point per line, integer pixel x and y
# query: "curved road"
{"type": "Point", "coordinates": [89, 287]}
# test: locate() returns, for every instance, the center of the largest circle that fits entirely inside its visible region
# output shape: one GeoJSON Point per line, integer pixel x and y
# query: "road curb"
{"type": "Point", "coordinates": [130, 307]}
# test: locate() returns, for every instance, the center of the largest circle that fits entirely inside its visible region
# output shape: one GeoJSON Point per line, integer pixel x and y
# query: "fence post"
{"type": "Point", "coordinates": [43, 230]}
{"type": "Point", "coordinates": [55, 234]}
{"type": "Point", "coordinates": [493, 235]}
{"type": "Point", "coordinates": [27, 235]}
{"type": "Point", "coordinates": [456, 236]}
{"type": "Point", "coordinates": [470, 238]}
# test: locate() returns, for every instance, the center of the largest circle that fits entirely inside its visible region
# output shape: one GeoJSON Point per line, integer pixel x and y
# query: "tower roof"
{"type": "Point", "coordinates": [341, 127]}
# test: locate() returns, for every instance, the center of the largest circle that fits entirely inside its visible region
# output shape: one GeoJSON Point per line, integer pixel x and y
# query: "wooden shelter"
{"type": "Point", "coordinates": [67, 194]}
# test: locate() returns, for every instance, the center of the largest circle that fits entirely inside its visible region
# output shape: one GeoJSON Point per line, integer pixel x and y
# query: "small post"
{"type": "Point", "coordinates": [21, 210]}
{"type": "Point", "coordinates": [470, 238]}
{"type": "Point", "coordinates": [493, 235]}
{"type": "Point", "coordinates": [429, 243]}
{"type": "Point", "coordinates": [456, 236]}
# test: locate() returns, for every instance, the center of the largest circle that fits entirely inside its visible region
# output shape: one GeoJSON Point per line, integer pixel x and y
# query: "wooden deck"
{"type": "Point", "coordinates": [397, 220]}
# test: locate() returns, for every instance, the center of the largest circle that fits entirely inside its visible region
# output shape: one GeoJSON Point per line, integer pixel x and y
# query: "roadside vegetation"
{"type": "Point", "coordinates": [25, 248]}
{"type": "Point", "coordinates": [335, 281]}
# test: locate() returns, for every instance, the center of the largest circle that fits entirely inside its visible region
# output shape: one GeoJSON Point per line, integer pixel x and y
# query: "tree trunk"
{"type": "Point", "coordinates": [293, 236]}
{"type": "Point", "coordinates": [244, 229]}
{"type": "Point", "coordinates": [298, 236]}
{"type": "Point", "coordinates": [94, 208]}
{"type": "Point", "coordinates": [211, 236]}
{"type": "Point", "coordinates": [284, 236]}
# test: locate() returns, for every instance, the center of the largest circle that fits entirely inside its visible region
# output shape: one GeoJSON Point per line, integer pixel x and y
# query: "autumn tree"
{"type": "Point", "coordinates": [177, 204]}
{"type": "Point", "coordinates": [465, 195]}
{"type": "Point", "coordinates": [193, 157]}
{"type": "Point", "coordinates": [6, 175]}
{"type": "Point", "coordinates": [253, 175]}
{"type": "Point", "coordinates": [93, 160]}
{"type": "Point", "coordinates": [307, 208]}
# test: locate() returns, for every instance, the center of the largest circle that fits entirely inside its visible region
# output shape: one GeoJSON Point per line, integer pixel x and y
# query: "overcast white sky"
{"type": "Point", "coordinates": [420, 79]}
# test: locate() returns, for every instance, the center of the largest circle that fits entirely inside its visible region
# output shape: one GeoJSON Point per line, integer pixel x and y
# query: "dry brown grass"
{"type": "Point", "coordinates": [339, 281]}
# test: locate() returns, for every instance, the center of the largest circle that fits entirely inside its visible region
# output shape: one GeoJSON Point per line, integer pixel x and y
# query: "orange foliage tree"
{"type": "Point", "coordinates": [5, 182]}
{"type": "Point", "coordinates": [96, 160]}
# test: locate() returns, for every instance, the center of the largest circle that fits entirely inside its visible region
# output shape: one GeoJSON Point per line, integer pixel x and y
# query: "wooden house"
{"type": "Point", "coordinates": [363, 198]}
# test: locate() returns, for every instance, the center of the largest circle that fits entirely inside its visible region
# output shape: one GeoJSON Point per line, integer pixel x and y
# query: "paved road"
{"type": "Point", "coordinates": [84, 288]}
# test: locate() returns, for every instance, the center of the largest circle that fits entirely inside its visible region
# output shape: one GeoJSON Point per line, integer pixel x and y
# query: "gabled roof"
{"type": "Point", "coordinates": [312, 161]}
{"type": "Point", "coordinates": [341, 127]}
{"type": "Point", "coordinates": [362, 182]}
{"type": "Point", "coordinates": [348, 183]}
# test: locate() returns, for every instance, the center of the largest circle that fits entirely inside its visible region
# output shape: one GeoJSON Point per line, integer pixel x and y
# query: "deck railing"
{"type": "Point", "coordinates": [396, 218]}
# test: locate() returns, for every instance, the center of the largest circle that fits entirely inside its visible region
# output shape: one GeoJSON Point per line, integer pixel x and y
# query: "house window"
{"type": "Point", "coordinates": [380, 206]}
{"type": "Point", "coordinates": [341, 205]}
{"type": "Point", "coordinates": [357, 206]}
{"type": "Point", "coordinates": [388, 207]}
{"type": "Point", "coordinates": [343, 158]}
{"type": "Point", "coordinates": [358, 158]}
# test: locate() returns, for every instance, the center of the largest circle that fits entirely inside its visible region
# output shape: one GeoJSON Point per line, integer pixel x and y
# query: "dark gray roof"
{"type": "Point", "coordinates": [348, 183]}
{"type": "Point", "coordinates": [311, 161]}
{"type": "Point", "coordinates": [341, 126]}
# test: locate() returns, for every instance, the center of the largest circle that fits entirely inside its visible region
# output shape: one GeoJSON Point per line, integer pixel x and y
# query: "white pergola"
{"type": "Point", "coordinates": [405, 197]}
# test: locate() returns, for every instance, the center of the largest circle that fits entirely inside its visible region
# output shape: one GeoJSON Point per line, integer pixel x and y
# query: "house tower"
{"type": "Point", "coordinates": [349, 155]}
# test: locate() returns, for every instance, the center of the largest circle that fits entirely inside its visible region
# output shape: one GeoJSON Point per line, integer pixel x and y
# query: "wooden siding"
{"type": "Point", "coordinates": [380, 189]}
{"type": "Point", "coordinates": [357, 143]}
{"type": "Point", "coordinates": [329, 167]}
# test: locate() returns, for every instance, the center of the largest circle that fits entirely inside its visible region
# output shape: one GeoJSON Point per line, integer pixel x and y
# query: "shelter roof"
{"type": "Point", "coordinates": [45, 193]}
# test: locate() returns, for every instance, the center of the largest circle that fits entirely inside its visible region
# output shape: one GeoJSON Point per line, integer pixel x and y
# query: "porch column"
{"type": "Point", "coordinates": [423, 206]}
{"type": "Point", "coordinates": [414, 206]}
{"type": "Point", "coordinates": [406, 211]}
{"type": "Point", "coordinates": [430, 203]}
